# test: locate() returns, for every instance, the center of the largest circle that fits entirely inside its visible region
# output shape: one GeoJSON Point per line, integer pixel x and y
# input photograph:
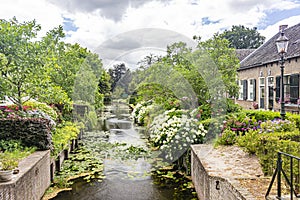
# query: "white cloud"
{"type": "Point", "coordinates": [48, 15]}
{"type": "Point", "coordinates": [185, 17]}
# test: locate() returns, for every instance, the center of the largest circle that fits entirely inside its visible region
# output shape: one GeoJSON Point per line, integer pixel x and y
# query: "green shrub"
{"type": "Point", "coordinates": [62, 136]}
{"type": "Point", "coordinates": [262, 115]}
{"type": "Point", "coordinates": [248, 141]}
{"type": "Point", "coordinates": [91, 120]}
{"type": "Point", "coordinates": [268, 145]}
{"type": "Point", "coordinates": [295, 118]}
{"type": "Point", "coordinates": [227, 137]}
{"type": "Point", "coordinates": [31, 131]}
{"type": "Point", "coordinates": [232, 107]}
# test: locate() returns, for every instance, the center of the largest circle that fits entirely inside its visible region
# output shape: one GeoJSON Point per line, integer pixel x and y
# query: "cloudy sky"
{"type": "Point", "coordinates": [115, 28]}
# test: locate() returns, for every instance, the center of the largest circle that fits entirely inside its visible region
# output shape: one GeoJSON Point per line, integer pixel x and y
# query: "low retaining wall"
{"type": "Point", "coordinates": [37, 171]}
{"type": "Point", "coordinates": [215, 174]}
{"type": "Point", "coordinates": [32, 180]}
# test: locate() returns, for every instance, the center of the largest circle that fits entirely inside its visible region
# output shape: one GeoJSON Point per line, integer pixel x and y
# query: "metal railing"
{"type": "Point", "coordinates": [292, 182]}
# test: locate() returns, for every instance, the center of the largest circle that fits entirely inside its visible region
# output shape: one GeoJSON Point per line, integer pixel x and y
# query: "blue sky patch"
{"type": "Point", "coordinates": [207, 21]}
{"type": "Point", "coordinates": [69, 25]}
{"type": "Point", "coordinates": [272, 17]}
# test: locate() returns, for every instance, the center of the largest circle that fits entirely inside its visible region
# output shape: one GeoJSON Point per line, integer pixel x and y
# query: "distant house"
{"type": "Point", "coordinates": [259, 75]}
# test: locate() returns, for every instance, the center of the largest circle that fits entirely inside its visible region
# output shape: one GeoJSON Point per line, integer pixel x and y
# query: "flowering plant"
{"type": "Point", "coordinates": [142, 111]}
{"type": "Point", "coordinates": [13, 112]}
{"type": "Point", "coordinates": [277, 125]}
{"type": "Point", "coordinates": [241, 126]}
{"type": "Point", "coordinates": [173, 131]}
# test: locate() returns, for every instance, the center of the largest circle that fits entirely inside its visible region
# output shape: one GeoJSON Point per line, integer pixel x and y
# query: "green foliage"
{"type": "Point", "coordinates": [7, 163]}
{"type": "Point", "coordinates": [227, 137]}
{"type": "Point", "coordinates": [241, 37]}
{"type": "Point", "coordinates": [10, 145]}
{"type": "Point", "coordinates": [116, 73]}
{"type": "Point", "coordinates": [104, 84]}
{"type": "Point", "coordinates": [294, 118]}
{"type": "Point", "coordinates": [63, 134]}
{"type": "Point", "coordinates": [267, 147]}
{"type": "Point", "coordinates": [87, 115]}
{"type": "Point", "coordinates": [155, 92]}
{"type": "Point", "coordinates": [262, 115]}
{"type": "Point", "coordinates": [42, 107]}
{"type": "Point", "coordinates": [26, 72]}
{"type": "Point", "coordinates": [232, 107]}
{"type": "Point", "coordinates": [203, 112]}
{"type": "Point", "coordinates": [248, 141]}
{"type": "Point", "coordinates": [45, 68]}
{"type": "Point", "coordinates": [225, 72]}
{"type": "Point", "coordinates": [11, 152]}
{"type": "Point", "coordinates": [31, 131]}
{"type": "Point", "coordinates": [91, 120]}
{"type": "Point", "coordinates": [277, 125]}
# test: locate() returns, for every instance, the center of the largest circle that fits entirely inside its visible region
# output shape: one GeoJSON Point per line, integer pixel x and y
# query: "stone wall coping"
{"type": "Point", "coordinates": [229, 164]}
{"type": "Point", "coordinates": [26, 164]}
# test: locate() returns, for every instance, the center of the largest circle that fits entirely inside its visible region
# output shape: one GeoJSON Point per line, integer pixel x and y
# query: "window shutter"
{"type": "Point", "coordinates": [245, 85]}
{"type": "Point", "coordinates": [277, 89]}
{"type": "Point", "coordinates": [254, 89]}
{"type": "Point", "coordinates": [294, 87]}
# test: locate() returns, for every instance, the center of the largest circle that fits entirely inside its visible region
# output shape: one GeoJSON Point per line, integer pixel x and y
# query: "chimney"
{"type": "Point", "coordinates": [282, 27]}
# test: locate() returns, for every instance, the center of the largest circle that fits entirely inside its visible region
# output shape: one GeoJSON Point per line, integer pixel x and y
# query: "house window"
{"type": "Point", "coordinates": [241, 90]}
{"type": "Point", "coordinates": [262, 92]}
{"type": "Point", "coordinates": [251, 89]}
{"type": "Point", "coordinates": [291, 88]}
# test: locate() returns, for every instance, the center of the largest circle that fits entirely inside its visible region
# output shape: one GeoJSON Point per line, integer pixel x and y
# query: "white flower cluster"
{"type": "Point", "coordinates": [140, 111]}
{"type": "Point", "coordinates": [173, 133]}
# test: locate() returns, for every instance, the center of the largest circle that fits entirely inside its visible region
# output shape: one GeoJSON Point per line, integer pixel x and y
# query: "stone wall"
{"type": "Point", "coordinates": [32, 181]}
{"type": "Point", "coordinates": [215, 177]}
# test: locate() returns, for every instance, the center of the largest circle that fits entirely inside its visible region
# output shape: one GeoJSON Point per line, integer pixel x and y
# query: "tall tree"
{"type": "Point", "coordinates": [24, 73]}
{"type": "Point", "coordinates": [116, 73]}
{"type": "Point", "coordinates": [225, 60]}
{"type": "Point", "coordinates": [241, 37]}
{"type": "Point", "coordinates": [148, 60]}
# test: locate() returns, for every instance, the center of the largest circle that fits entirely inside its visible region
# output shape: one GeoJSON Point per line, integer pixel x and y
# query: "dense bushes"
{"type": "Point", "coordinates": [31, 131]}
{"type": "Point", "coordinates": [262, 133]}
{"type": "Point", "coordinates": [63, 134]}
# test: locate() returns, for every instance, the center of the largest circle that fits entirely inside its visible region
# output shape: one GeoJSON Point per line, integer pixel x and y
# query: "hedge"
{"type": "Point", "coordinates": [31, 131]}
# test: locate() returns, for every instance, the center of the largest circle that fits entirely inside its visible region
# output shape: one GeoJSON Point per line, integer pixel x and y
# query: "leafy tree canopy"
{"type": "Point", "coordinates": [44, 69]}
{"type": "Point", "coordinates": [241, 37]}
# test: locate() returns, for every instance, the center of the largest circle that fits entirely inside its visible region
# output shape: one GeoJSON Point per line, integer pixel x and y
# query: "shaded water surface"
{"type": "Point", "coordinates": [125, 179]}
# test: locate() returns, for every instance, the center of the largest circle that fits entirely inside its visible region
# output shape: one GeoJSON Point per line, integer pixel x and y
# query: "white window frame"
{"type": "Point", "coordinates": [259, 91]}
{"type": "Point", "coordinates": [268, 84]}
{"type": "Point", "coordinates": [250, 96]}
{"type": "Point", "coordinates": [241, 92]}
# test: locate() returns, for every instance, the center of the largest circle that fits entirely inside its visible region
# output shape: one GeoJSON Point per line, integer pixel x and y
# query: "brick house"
{"type": "Point", "coordinates": [259, 75]}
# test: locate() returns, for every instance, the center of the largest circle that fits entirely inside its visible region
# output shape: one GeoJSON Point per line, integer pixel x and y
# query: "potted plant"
{"type": "Point", "coordinates": [7, 165]}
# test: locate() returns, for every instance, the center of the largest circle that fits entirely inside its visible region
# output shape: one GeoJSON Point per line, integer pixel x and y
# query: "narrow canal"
{"type": "Point", "coordinates": [127, 167]}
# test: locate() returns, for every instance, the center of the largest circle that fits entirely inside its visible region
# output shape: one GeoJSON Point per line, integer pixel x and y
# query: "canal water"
{"type": "Point", "coordinates": [127, 177]}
